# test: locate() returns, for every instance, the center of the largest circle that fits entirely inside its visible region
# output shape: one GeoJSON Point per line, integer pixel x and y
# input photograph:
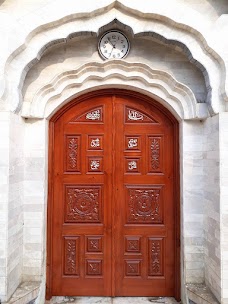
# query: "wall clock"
{"type": "Point", "coordinates": [113, 45]}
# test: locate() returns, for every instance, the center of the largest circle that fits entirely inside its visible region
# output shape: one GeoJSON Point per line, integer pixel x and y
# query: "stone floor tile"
{"type": "Point", "coordinates": [81, 300]}
{"type": "Point", "coordinates": [116, 300]}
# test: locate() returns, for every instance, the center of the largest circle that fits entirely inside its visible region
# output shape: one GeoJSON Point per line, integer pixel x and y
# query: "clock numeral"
{"type": "Point", "coordinates": [118, 54]}
{"type": "Point", "coordinates": [122, 51]}
{"type": "Point", "coordinates": [104, 46]}
{"type": "Point", "coordinates": [105, 51]}
{"type": "Point", "coordinates": [124, 46]}
{"type": "Point", "coordinates": [106, 41]}
{"type": "Point", "coordinates": [114, 56]}
{"type": "Point", "coordinates": [114, 37]}
{"type": "Point", "coordinates": [122, 41]}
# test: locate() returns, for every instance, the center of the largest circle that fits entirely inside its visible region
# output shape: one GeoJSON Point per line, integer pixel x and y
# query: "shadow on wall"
{"type": "Point", "coordinates": [221, 6]}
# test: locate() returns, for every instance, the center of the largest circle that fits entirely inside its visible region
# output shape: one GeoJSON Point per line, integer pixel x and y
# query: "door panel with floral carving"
{"type": "Point", "coordinates": [81, 221]}
{"type": "Point", "coordinates": [112, 208]}
{"type": "Point", "coordinates": [144, 214]}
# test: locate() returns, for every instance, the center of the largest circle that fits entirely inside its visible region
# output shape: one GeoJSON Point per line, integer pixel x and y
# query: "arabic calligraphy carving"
{"type": "Point", "coordinates": [132, 143]}
{"type": "Point", "coordinates": [134, 115]}
{"type": "Point", "coordinates": [95, 143]}
{"type": "Point", "coordinates": [132, 165]}
{"type": "Point", "coordinates": [94, 115]}
{"type": "Point", "coordinates": [94, 164]}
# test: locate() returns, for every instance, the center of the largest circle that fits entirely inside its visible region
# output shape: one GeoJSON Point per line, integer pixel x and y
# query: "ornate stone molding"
{"type": "Point", "coordinates": [140, 77]}
{"type": "Point", "coordinates": [173, 28]}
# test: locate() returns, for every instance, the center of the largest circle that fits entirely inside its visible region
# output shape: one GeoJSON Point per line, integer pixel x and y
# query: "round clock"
{"type": "Point", "coordinates": [113, 45]}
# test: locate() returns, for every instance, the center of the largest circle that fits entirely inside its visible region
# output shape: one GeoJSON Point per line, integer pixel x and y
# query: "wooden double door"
{"type": "Point", "coordinates": [112, 200]}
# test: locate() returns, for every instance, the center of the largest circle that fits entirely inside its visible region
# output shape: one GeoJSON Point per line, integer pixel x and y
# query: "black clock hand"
{"type": "Point", "coordinates": [113, 45]}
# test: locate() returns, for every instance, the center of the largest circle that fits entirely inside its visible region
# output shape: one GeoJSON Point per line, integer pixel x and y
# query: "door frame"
{"type": "Point", "coordinates": [176, 160]}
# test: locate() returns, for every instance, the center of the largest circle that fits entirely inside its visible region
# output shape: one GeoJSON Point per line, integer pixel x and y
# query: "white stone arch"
{"type": "Point", "coordinates": [45, 35]}
{"type": "Point", "coordinates": [177, 97]}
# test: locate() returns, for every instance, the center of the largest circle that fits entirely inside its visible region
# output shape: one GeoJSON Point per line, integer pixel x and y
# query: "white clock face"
{"type": "Point", "coordinates": [113, 45]}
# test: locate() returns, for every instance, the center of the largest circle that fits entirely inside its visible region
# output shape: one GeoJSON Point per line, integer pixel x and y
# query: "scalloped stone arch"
{"type": "Point", "coordinates": [21, 60]}
{"type": "Point", "coordinates": [115, 73]}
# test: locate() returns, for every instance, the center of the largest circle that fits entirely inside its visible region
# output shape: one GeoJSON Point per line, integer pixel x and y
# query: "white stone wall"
{"type": "Point", "coordinates": [15, 203]}
{"type": "Point", "coordinates": [4, 193]}
{"type": "Point", "coordinates": [35, 200]}
{"type": "Point", "coordinates": [223, 139]}
{"type": "Point", "coordinates": [211, 181]}
{"type": "Point", "coordinates": [192, 201]}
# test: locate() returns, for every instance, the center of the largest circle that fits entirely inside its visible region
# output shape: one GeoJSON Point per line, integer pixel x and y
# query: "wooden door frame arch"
{"type": "Point", "coordinates": [173, 120]}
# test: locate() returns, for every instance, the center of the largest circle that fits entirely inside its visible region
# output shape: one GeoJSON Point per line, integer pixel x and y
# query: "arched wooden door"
{"type": "Point", "coordinates": [113, 199]}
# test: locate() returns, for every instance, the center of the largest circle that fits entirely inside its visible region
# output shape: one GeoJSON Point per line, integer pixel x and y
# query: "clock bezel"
{"type": "Point", "coordinates": [113, 31]}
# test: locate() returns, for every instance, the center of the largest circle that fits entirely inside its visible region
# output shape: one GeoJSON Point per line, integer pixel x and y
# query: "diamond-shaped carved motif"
{"type": "Point", "coordinates": [94, 267]}
{"type": "Point", "coordinates": [94, 244]}
{"type": "Point", "coordinates": [132, 268]}
{"type": "Point", "coordinates": [132, 244]}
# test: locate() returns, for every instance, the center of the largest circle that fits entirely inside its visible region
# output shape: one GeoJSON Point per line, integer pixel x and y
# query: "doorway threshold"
{"type": "Point", "coordinates": [110, 300]}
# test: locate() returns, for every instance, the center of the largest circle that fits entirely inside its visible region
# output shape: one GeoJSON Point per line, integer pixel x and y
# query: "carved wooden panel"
{"type": "Point", "coordinates": [94, 244]}
{"type": "Point", "coordinates": [155, 154]}
{"type": "Point", "coordinates": [144, 204]}
{"type": "Point", "coordinates": [132, 143]}
{"type": "Point", "coordinates": [94, 267]}
{"type": "Point", "coordinates": [136, 116]}
{"type": "Point", "coordinates": [94, 115]}
{"type": "Point", "coordinates": [71, 255]}
{"type": "Point", "coordinates": [95, 142]}
{"type": "Point", "coordinates": [95, 164]}
{"type": "Point", "coordinates": [133, 244]}
{"type": "Point", "coordinates": [132, 268]}
{"type": "Point", "coordinates": [132, 165]}
{"type": "Point", "coordinates": [156, 254]}
{"type": "Point", "coordinates": [72, 154]}
{"type": "Point", "coordinates": [83, 204]}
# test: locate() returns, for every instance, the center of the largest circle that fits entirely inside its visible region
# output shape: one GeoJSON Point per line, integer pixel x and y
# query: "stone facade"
{"type": "Point", "coordinates": [178, 56]}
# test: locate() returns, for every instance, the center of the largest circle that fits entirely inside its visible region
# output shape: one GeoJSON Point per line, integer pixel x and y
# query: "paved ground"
{"type": "Point", "coordinates": [108, 300]}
